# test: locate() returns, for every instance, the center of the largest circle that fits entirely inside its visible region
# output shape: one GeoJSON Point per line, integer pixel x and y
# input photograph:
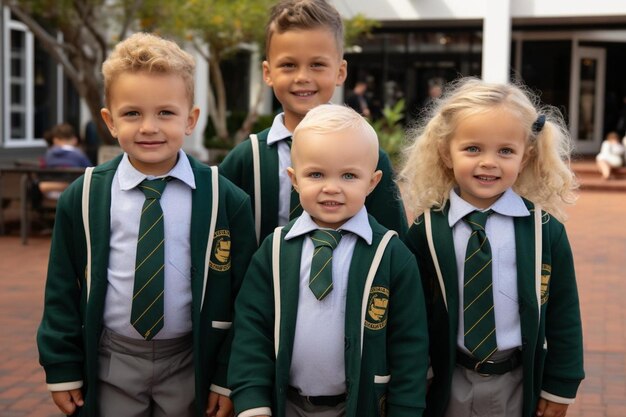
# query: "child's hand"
{"type": "Point", "coordinates": [67, 401]}
{"type": "Point", "coordinates": [547, 408]}
{"type": "Point", "coordinates": [219, 406]}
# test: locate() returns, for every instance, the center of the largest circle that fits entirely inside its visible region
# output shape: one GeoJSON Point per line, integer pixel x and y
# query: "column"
{"type": "Point", "coordinates": [497, 41]}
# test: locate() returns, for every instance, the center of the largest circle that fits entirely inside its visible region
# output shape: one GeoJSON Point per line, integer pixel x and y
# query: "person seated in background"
{"type": "Point", "coordinates": [63, 152]}
{"type": "Point", "coordinates": [356, 98]}
{"type": "Point", "coordinates": [611, 155]}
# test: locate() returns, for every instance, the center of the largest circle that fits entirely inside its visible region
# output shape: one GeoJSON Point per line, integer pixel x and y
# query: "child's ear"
{"type": "Point", "coordinates": [108, 119]}
{"type": "Point", "coordinates": [192, 119]}
{"type": "Point", "coordinates": [376, 177]}
{"type": "Point", "coordinates": [343, 73]}
{"type": "Point", "coordinates": [292, 176]}
{"type": "Point", "coordinates": [266, 73]}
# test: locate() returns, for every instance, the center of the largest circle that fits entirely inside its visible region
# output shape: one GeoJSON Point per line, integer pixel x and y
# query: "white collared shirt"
{"type": "Point", "coordinates": [126, 204]}
{"type": "Point", "coordinates": [501, 234]}
{"type": "Point", "coordinates": [318, 364]}
{"type": "Point", "coordinates": [277, 134]}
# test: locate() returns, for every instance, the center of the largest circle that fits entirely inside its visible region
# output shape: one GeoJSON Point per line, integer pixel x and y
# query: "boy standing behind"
{"type": "Point", "coordinates": [330, 333]}
{"type": "Point", "coordinates": [304, 63]}
{"type": "Point", "coordinates": [148, 253]}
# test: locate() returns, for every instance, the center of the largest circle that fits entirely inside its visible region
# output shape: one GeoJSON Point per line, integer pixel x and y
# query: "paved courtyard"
{"type": "Point", "coordinates": [597, 231]}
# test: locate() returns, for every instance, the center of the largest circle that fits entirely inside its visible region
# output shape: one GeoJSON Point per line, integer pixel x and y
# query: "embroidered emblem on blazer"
{"type": "Point", "coordinates": [376, 317]}
{"type": "Point", "coordinates": [545, 281]}
{"type": "Point", "coordinates": [220, 256]}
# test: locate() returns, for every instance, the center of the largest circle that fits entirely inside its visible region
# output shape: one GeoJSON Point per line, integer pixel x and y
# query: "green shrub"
{"type": "Point", "coordinates": [390, 130]}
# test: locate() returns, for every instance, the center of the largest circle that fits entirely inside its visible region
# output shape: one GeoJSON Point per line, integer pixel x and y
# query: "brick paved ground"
{"type": "Point", "coordinates": [597, 231]}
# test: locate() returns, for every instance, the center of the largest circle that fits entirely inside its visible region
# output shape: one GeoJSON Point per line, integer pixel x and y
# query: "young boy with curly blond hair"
{"type": "Point", "coordinates": [147, 256]}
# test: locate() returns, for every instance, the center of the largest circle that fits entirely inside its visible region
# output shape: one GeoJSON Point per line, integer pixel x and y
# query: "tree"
{"type": "Point", "coordinates": [85, 26]}
{"type": "Point", "coordinates": [218, 29]}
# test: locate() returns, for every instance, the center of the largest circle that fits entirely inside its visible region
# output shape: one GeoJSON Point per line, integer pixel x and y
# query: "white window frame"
{"type": "Point", "coordinates": [29, 104]}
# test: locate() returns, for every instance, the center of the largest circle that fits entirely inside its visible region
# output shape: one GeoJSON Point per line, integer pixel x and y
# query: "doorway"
{"type": "Point", "coordinates": [586, 113]}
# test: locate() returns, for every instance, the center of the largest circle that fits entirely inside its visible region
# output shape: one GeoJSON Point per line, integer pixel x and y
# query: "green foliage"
{"type": "Point", "coordinates": [222, 24]}
{"type": "Point", "coordinates": [233, 122]}
{"type": "Point", "coordinates": [357, 27]}
{"type": "Point", "coordinates": [390, 130]}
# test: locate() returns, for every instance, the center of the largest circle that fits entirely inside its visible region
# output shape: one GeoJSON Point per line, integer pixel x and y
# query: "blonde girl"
{"type": "Point", "coordinates": [492, 148]}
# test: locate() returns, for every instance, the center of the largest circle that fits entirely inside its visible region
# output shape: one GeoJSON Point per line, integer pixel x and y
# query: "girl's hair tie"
{"type": "Point", "coordinates": [538, 124]}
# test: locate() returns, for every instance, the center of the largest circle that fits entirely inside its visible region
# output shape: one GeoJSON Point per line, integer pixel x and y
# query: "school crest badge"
{"type": "Point", "coordinates": [376, 316]}
{"type": "Point", "coordinates": [220, 255]}
{"type": "Point", "coordinates": [546, 270]}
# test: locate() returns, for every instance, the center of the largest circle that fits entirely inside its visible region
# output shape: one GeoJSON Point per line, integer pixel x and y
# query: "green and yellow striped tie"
{"type": "Point", "coordinates": [321, 278]}
{"type": "Point", "coordinates": [478, 315]}
{"type": "Point", "coordinates": [147, 307]}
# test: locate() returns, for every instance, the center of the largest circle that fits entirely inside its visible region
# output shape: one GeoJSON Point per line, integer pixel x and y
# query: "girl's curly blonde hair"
{"type": "Point", "coordinates": [546, 178]}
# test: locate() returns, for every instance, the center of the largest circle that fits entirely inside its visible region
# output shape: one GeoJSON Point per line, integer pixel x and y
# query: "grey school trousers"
{"type": "Point", "coordinates": [473, 395]}
{"type": "Point", "coordinates": [139, 378]}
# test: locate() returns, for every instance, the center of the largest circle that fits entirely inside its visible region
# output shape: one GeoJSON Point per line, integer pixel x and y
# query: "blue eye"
{"type": "Point", "coordinates": [315, 175]}
{"type": "Point", "coordinates": [507, 151]}
{"type": "Point", "coordinates": [349, 176]}
{"type": "Point", "coordinates": [472, 149]}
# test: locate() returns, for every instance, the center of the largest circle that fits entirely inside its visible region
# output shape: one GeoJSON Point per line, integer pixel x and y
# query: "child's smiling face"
{"type": "Point", "coordinates": [303, 68]}
{"type": "Point", "coordinates": [486, 154]}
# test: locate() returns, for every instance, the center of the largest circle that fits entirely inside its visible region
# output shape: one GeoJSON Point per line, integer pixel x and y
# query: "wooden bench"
{"type": "Point", "coordinates": [29, 175]}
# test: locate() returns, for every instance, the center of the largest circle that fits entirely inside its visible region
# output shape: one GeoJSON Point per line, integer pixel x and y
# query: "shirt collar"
{"type": "Point", "coordinates": [359, 225]}
{"type": "Point", "coordinates": [509, 204]}
{"type": "Point", "coordinates": [278, 131]}
{"type": "Point", "coordinates": [130, 177]}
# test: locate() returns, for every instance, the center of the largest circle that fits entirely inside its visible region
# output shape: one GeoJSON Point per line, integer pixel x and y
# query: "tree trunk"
{"type": "Point", "coordinates": [252, 116]}
{"type": "Point", "coordinates": [217, 82]}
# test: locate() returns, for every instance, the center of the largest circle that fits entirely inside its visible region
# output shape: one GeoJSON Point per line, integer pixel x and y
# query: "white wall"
{"type": "Point", "coordinates": [475, 9]}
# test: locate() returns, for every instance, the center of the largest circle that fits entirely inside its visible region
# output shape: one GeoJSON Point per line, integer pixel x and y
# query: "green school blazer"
{"type": "Point", "coordinates": [385, 352]}
{"type": "Point", "coordinates": [552, 346]}
{"type": "Point", "coordinates": [69, 332]}
{"type": "Point", "coordinates": [383, 203]}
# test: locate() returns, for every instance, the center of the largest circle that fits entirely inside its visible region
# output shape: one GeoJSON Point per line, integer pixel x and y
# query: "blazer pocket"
{"type": "Point", "coordinates": [382, 379]}
{"type": "Point", "coordinates": [224, 325]}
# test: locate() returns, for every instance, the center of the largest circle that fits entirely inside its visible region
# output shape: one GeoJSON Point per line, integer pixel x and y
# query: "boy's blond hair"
{"type": "Point", "coordinates": [144, 52]}
{"type": "Point", "coordinates": [546, 178]}
{"type": "Point", "coordinates": [332, 118]}
{"type": "Point", "coordinates": [304, 15]}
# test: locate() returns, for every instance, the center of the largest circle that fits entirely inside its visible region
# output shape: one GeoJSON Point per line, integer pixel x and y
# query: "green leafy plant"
{"type": "Point", "coordinates": [390, 130]}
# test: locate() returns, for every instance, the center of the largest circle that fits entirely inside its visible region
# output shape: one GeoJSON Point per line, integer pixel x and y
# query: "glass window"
{"type": "Point", "coordinates": [551, 76]}
{"type": "Point", "coordinates": [19, 101]}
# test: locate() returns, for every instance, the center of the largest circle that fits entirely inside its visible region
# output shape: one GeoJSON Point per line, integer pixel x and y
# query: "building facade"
{"type": "Point", "coordinates": [573, 52]}
{"type": "Point", "coordinates": [35, 95]}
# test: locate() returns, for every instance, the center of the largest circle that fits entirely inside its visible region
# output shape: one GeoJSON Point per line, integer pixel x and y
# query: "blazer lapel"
{"type": "Point", "coordinates": [291, 253]}
{"type": "Point", "coordinates": [357, 275]}
{"type": "Point", "coordinates": [268, 156]}
{"type": "Point", "coordinates": [444, 246]}
{"type": "Point", "coordinates": [525, 258]}
{"type": "Point", "coordinates": [201, 202]}
{"type": "Point", "coordinates": [100, 223]}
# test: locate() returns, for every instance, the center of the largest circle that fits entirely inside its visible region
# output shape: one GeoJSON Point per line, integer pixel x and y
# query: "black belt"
{"type": "Point", "coordinates": [322, 400]}
{"type": "Point", "coordinates": [489, 367]}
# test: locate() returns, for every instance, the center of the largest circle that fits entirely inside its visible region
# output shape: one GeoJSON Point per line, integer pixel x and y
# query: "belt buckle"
{"type": "Point", "coordinates": [481, 363]}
